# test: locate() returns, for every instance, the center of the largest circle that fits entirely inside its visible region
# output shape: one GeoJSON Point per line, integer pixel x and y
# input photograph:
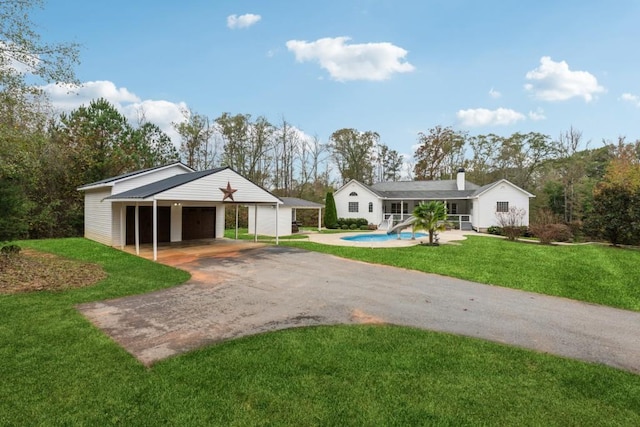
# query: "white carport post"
{"type": "Point", "coordinates": [122, 227]}
{"type": "Point", "coordinates": [237, 222]}
{"type": "Point", "coordinates": [319, 219]}
{"type": "Point", "coordinates": [255, 222]}
{"type": "Point", "coordinates": [155, 229]}
{"type": "Point", "coordinates": [137, 229]}
{"type": "Point", "coordinates": [277, 210]}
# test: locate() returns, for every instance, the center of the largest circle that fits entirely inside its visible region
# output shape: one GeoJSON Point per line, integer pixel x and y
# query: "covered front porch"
{"type": "Point", "coordinates": [397, 211]}
{"type": "Point", "coordinates": [144, 225]}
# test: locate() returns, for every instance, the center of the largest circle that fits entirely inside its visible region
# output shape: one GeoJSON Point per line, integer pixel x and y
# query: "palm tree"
{"type": "Point", "coordinates": [430, 216]}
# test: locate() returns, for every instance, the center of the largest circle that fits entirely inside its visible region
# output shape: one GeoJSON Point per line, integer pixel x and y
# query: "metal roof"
{"type": "Point", "coordinates": [163, 185]}
{"type": "Point", "coordinates": [427, 195]}
{"type": "Point", "coordinates": [294, 202]}
{"type": "Point", "coordinates": [128, 175]}
{"type": "Point", "coordinates": [421, 190]}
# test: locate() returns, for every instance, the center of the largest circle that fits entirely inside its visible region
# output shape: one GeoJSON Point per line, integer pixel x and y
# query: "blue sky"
{"type": "Point", "coordinates": [395, 67]}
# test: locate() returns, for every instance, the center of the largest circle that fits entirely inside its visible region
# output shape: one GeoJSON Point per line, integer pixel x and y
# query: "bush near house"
{"type": "Point", "coordinates": [330, 212]}
{"type": "Point", "coordinates": [549, 228]}
{"type": "Point", "coordinates": [352, 223]}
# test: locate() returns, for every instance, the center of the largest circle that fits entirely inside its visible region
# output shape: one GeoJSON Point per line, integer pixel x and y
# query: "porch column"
{"type": "Point", "coordinates": [137, 229]}
{"type": "Point", "coordinates": [319, 219]}
{"type": "Point", "coordinates": [237, 222]}
{"type": "Point", "coordinates": [277, 237]}
{"type": "Point", "coordinates": [255, 222]}
{"type": "Point", "coordinates": [122, 227]}
{"type": "Point", "coordinates": [401, 210]}
{"type": "Point", "coordinates": [155, 230]}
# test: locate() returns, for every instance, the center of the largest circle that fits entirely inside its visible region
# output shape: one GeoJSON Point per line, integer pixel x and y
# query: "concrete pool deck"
{"type": "Point", "coordinates": [336, 239]}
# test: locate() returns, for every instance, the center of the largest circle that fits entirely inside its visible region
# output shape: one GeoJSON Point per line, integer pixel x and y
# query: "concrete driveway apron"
{"type": "Point", "coordinates": [261, 289]}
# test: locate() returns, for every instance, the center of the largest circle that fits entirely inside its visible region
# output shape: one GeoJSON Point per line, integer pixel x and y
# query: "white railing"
{"type": "Point", "coordinates": [459, 219]}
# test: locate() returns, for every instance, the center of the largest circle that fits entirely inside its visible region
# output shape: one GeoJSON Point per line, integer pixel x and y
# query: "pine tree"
{"type": "Point", "coordinates": [330, 212]}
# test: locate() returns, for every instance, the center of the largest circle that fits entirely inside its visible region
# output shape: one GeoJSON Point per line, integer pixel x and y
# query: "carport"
{"type": "Point", "coordinates": [185, 207]}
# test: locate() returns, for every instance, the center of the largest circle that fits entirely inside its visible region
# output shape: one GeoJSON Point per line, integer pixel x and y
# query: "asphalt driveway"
{"type": "Point", "coordinates": [260, 289]}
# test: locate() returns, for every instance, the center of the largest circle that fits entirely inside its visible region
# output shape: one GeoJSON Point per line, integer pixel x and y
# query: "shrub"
{"type": "Point", "coordinates": [330, 212]}
{"type": "Point", "coordinates": [511, 222]}
{"type": "Point", "coordinates": [353, 227]}
{"type": "Point", "coordinates": [349, 222]}
{"type": "Point", "coordinates": [9, 250]}
{"type": "Point", "coordinates": [364, 227]}
{"type": "Point", "coordinates": [494, 229]}
{"type": "Point", "coordinates": [344, 227]}
{"type": "Point", "coordinates": [548, 228]}
{"type": "Point", "coordinates": [548, 233]}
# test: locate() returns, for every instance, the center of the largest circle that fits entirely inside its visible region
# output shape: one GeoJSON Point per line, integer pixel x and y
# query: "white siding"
{"type": "Point", "coordinates": [97, 216]}
{"type": "Point", "coordinates": [208, 189]}
{"type": "Point", "coordinates": [147, 178]}
{"type": "Point", "coordinates": [116, 236]}
{"type": "Point", "coordinates": [363, 198]}
{"type": "Point", "coordinates": [267, 220]}
{"type": "Point", "coordinates": [485, 208]}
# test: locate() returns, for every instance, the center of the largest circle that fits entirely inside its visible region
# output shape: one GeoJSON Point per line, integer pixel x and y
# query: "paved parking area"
{"type": "Point", "coordinates": [264, 288]}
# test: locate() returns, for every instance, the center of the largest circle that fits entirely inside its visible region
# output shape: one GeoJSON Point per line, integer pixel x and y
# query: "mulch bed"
{"type": "Point", "coordinates": [32, 271]}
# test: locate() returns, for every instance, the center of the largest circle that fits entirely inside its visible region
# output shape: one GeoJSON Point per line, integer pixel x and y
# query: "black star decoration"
{"type": "Point", "coordinates": [228, 192]}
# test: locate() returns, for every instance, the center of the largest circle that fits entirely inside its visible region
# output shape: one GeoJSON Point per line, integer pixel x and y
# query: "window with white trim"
{"type": "Point", "coordinates": [370, 207]}
{"type": "Point", "coordinates": [353, 206]}
{"type": "Point", "coordinates": [502, 207]}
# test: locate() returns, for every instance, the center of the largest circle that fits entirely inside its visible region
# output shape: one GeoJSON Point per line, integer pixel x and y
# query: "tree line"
{"type": "Point", "coordinates": [44, 156]}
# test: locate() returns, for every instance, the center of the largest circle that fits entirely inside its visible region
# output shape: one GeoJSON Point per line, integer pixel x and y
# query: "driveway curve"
{"type": "Point", "coordinates": [275, 287]}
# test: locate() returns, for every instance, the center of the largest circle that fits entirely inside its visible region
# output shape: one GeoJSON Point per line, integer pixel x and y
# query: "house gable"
{"type": "Point", "coordinates": [130, 180]}
{"type": "Point", "coordinates": [493, 185]}
{"type": "Point", "coordinates": [356, 200]}
{"type": "Point", "coordinates": [502, 192]}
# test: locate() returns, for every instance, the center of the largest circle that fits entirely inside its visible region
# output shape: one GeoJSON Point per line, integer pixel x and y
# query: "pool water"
{"type": "Point", "coordinates": [381, 237]}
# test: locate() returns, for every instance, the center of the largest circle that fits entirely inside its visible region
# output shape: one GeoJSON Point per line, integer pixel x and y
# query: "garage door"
{"type": "Point", "coordinates": [146, 224]}
{"type": "Point", "coordinates": [198, 223]}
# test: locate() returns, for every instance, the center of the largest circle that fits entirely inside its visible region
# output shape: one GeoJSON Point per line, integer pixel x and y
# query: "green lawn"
{"type": "Point", "coordinates": [57, 369]}
{"type": "Point", "coordinates": [592, 273]}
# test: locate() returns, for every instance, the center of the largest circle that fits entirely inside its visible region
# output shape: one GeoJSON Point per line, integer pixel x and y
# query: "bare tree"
{"type": "Point", "coordinates": [512, 222]}
{"type": "Point", "coordinates": [438, 150]}
{"type": "Point", "coordinates": [352, 152]}
{"type": "Point", "coordinates": [571, 169]}
{"type": "Point", "coordinates": [196, 147]}
{"type": "Point", "coordinates": [388, 164]}
{"type": "Point", "coordinates": [286, 151]}
{"type": "Point", "coordinates": [247, 145]}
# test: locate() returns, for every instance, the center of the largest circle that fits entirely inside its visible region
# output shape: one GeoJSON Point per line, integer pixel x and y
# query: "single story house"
{"type": "Point", "coordinates": [286, 216]}
{"type": "Point", "coordinates": [469, 205]}
{"type": "Point", "coordinates": [169, 203]}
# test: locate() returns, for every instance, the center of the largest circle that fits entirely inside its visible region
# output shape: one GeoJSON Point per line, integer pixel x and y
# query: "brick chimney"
{"type": "Point", "coordinates": [460, 179]}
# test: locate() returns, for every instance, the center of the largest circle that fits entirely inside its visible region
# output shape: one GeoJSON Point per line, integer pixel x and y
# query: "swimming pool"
{"type": "Point", "coordinates": [381, 237]}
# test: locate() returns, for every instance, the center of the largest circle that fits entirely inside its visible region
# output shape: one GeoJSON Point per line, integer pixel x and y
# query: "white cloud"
{"type": "Point", "coordinates": [67, 97]}
{"type": "Point", "coordinates": [554, 81]}
{"type": "Point", "coordinates": [483, 117]}
{"type": "Point", "coordinates": [633, 99]}
{"type": "Point", "coordinates": [242, 21]}
{"type": "Point", "coordinates": [537, 115]}
{"type": "Point", "coordinates": [162, 113]}
{"type": "Point", "coordinates": [494, 93]}
{"type": "Point", "coordinates": [365, 61]}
